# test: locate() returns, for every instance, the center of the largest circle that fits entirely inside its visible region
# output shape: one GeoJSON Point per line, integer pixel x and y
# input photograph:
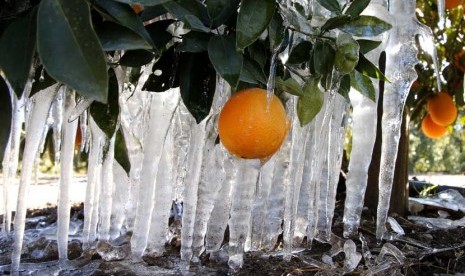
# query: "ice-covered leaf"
{"type": "Point", "coordinates": [336, 22]}
{"type": "Point", "coordinates": [121, 151]}
{"type": "Point", "coordinates": [124, 15]}
{"type": "Point", "coordinates": [150, 12]}
{"type": "Point", "coordinates": [323, 57]}
{"type": "Point", "coordinates": [224, 57]}
{"type": "Point", "coordinates": [344, 87]}
{"type": "Point", "coordinates": [310, 103]}
{"type": "Point", "coordinates": [332, 5]}
{"type": "Point", "coordinates": [367, 68]}
{"type": "Point", "coordinates": [295, 19]}
{"type": "Point", "coordinates": [5, 112]}
{"type": "Point", "coordinates": [366, 25]}
{"type": "Point", "coordinates": [254, 16]}
{"type": "Point", "coordinates": [69, 48]}
{"type": "Point", "coordinates": [41, 81]}
{"type": "Point", "coordinates": [221, 10]}
{"type": "Point", "coordinates": [290, 86]}
{"type": "Point", "coordinates": [197, 83]}
{"type": "Point", "coordinates": [163, 73]}
{"type": "Point", "coordinates": [300, 53]}
{"type": "Point", "coordinates": [252, 72]}
{"type": "Point", "coordinates": [368, 45]}
{"type": "Point", "coordinates": [191, 12]}
{"type": "Point", "coordinates": [106, 115]}
{"type": "Point", "coordinates": [194, 42]}
{"type": "Point", "coordinates": [136, 58]}
{"type": "Point", "coordinates": [114, 37]}
{"type": "Point", "coordinates": [17, 48]}
{"type": "Point", "coordinates": [363, 84]}
{"type": "Point", "coordinates": [356, 7]}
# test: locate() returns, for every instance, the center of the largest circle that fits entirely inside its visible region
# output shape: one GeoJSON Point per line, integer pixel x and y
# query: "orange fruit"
{"type": "Point", "coordinates": [431, 129]}
{"type": "Point", "coordinates": [452, 4]}
{"type": "Point", "coordinates": [137, 8]}
{"type": "Point", "coordinates": [248, 129]}
{"type": "Point", "coordinates": [78, 139]}
{"type": "Point", "coordinates": [442, 109]}
{"type": "Point", "coordinates": [459, 60]}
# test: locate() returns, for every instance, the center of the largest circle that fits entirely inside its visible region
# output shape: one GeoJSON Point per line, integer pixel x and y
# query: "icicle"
{"type": "Point", "coordinates": [106, 195]}
{"type": "Point", "coordinates": [42, 101]}
{"type": "Point", "coordinates": [161, 111]}
{"type": "Point", "coordinates": [442, 14]}
{"type": "Point", "coordinates": [401, 57]}
{"type": "Point", "coordinates": [81, 106]}
{"type": "Point", "coordinates": [56, 115]}
{"type": "Point", "coordinates": [242, 199]}
{"type": "Point", "coordinates": [427, 42]}
{"type": "Point", "coordinates": [120, 198]}
{"type": "Point", "coordinates": [83, 127]}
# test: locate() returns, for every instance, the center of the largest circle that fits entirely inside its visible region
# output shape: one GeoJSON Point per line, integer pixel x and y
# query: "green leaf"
{"type": "Point", "coordinates": [106, 115]}
{"type": "Point", "coordinates": [276, 31]}
{"type": "Point", "coordinates": [331, 5]}
{"type": "Point", "coordinates": [190, 12]}
{"type": "Point", "coordinates": [367, 45]}
{"type": "Point", "coordinates": [197, 84]}
{"type": "Point", "coordinates": [121, 151]}
{"type": "Point", "coordinates": [69, 48]}
{"type": "Point", "coordinates": [17, 47]}
{"type": "Point", "coordinates": [357, 7]}
{"type": "Point", "coordinates": [136, 58]}
{"type": "Point", "coordinates": [194, 42]}
{"type": "Point", "coordinates": [225, 59]}
{"type": "Point", "coordinates": [41, 81]}
{"type": "Point", "coordinates": [151, 12]}
{"type": "Point", "coordinates": [134, 75]}
{"type": "Point", "coordinates": [163, 73]}
{"type": "Point", "coordinates": [290, 86]}
{"type": "Point", "coordinates": [363, 84]}
{"type": "Point", "coordinates": [323, 55]}
{"type": "Point", "coordinates": [115, 37]}
{"type": "Point", "coordinates": [310, 104]}
{"type": "Point", "coordinates": [6, 113]}
{"type": "Point", "coordinates": [366, 25]}
{"type": "Point", "coordinates": [336, 22]}
{"type": "Point", "coordinates": [252, 72]}
{"type": "Point", "coordinates": [254, 16]}
{"type": "Point", "coordinates": [300, 53]}
{"type": "Point", "coordinates": [144, 2]}
{"type": "Point", "coordinates": [221, 10]}
{"type": "Point", "coordinates": [367, 68]}
{"type": "Point", "coordinates": [344, 87]}
{"type": "Point", "coordinates": [160, 36]}
{"type": "Point", "coordinates": [259, 53]}
{"type": "Point", "coordinates": [124, 15]}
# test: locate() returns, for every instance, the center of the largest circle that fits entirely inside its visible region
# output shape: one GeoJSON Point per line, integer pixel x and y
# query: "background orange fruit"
{"type": "Point", "coordinates": [431, 129]}
{"type": "Point", "coordinates": [247, 129]}
{"type": "Point", "coordinates": [451, 4]}
{"type": "Point", "coordinates": [442, 109]}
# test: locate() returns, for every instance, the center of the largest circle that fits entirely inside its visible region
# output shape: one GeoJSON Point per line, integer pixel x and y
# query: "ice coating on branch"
{"type": "Point", "coordinates": [401, 57]}
{"type": "Point", "coordinates": [41, 106]}
{"type": "Point", "coordinates": [66, 176]}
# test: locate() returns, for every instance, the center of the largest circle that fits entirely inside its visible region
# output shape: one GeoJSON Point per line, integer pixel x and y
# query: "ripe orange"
{"type": "Point", "coordinates": [431, 129]}
{"type": "Point", "coordinates": [452, 4]}
{"type": "Point", "coordinates": [247, 129]}
{"type": "Point", "coordinates": [137, 8]}
{"type": "Point", "coordinates": [442, 109]}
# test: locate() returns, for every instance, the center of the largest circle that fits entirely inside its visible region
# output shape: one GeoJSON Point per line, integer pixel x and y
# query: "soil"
{"type": "Point", "coordinates": [426, 251]}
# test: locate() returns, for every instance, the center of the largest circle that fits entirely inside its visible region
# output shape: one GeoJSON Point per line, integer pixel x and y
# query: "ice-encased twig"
{"type": "Point", "coordinates": [42, 101]}
{"type": "Point", "coordinates": [66, 176]}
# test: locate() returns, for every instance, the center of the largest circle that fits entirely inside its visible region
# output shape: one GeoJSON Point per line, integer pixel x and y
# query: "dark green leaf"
{"type": "Point", "coordinates": [363, 84]}
{"type": "Point", "coordinates": [17, 47]}
{"type": "Point", "coordinates": [331, 5]}
{"type": "Point", "coordinates": [197, 84]}
{"type": "Point", "coordinates": [163, 73]}
{"type": "Point", "coordinates": [225, 59]}
{"type": "Point", "coordinates": [124, 15]}
{"type": "Point", "coordinates": [367, 68]}
{"type": "Point", "coordinates": [221, 10]}
{"type": "Point", "coordinates": [149, 13]}
{"type": "Point", "coordinates": [115, 37]}
{"type": "Point", "coordinates": [144, 2]}
{"type": "Point", "coordinates": [310, 104]}
{"type": "Point", "coordinates": [78, 59]}
{"type": "Point", "coordinates": [134, 75]}
{"type": "Point", "coordinates": [160, 36]}
{"type": "Point", "coordinates": [344, 86]}
{"type": "Point", "coordinates": [259, 53]}
{"type": "Point", "coordinates": [6, 113]}
{"type": "Point", "coordinates": [366, 25]}
{"type": "Point", "coordinates": [367, 45]}
{"type": "Point", "coordinates": [41, 81]}
{"type": "Point", "coordinates": [121, 151]}
{"type": "Point", "coordinates": [191, 12]}
{"type": "Point", "coordinates": [252, 73]}
{"type": "Point", "coordinates": [194, 42]}
{"type": "Point", "coordinates": [336, 22]}
{"type": "Point", "coordinates": [290, 86]}
{"type": "Point", "coordinates": [136, 58]}
{"type": "Point", "coordinates": [254, 17]}
{"type": "Point", "coordinates": [276, 31]}
{"type": "Point", "coordinates": [106, 115]}
{"type": "Point", "coordinates": [323, 55]}
{"type": "Point", "coordinates": [300, 53]}
{"type": "Point", "coordinates": [357, 7]}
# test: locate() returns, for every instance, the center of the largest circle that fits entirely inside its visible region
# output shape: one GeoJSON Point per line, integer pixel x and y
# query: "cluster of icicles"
{"type": "Point", "coordinates": [174, 159]}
